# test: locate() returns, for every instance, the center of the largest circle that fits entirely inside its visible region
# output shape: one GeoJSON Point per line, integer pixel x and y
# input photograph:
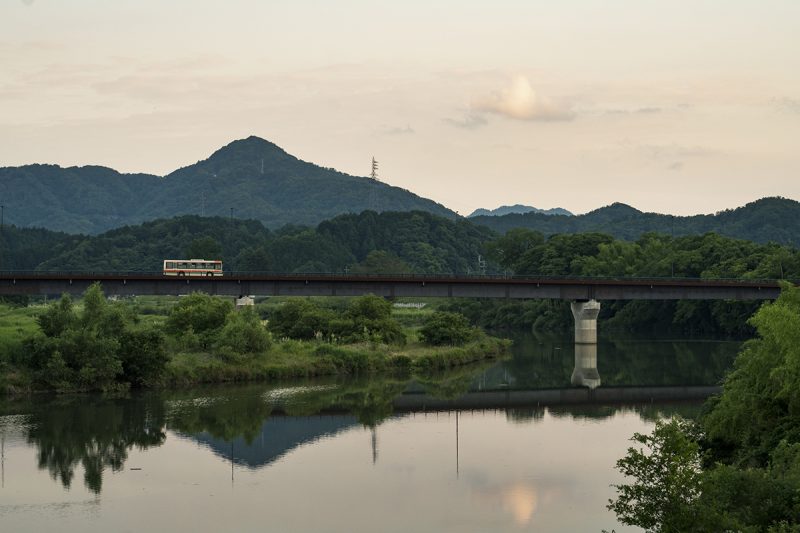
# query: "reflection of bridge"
{"type": "Point", "coordinates": [584, 292]}
{"type": "Point", "coordinates": [281, 433]}
{"type": "Point", "coordinates": [553, 397]}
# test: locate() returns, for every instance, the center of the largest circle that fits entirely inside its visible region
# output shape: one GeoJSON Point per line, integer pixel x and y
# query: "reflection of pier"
{"type": "Point", "coordinates": [585, 373]}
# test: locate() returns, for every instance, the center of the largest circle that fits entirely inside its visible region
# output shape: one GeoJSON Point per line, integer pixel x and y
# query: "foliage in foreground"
{"type": "Point", "coordinates": [738, 469]}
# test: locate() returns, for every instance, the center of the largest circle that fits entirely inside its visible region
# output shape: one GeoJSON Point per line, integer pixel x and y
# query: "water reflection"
{"type": "Point", "coordinates": [542, 362]}
{"type": "Point", "coordinates": [257, 425]}
{"type": "Point", "coordinates": [585, 373]}
{"type": "Point", "coordinates": [96, 433]}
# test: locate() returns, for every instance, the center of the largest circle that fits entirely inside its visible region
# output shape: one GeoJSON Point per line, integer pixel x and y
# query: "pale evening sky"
{"type": "Point", "coordinates": [671, 106]}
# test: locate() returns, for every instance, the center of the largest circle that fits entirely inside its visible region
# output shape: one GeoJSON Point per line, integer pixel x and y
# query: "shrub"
{"type": "Point", "coordinates": [300, 319]}
{"type": "Point", "coordinates": [200, 312]}
{"type": "Point", "coordinates": [444, 328]}
{"type": "Point", "coordinates": [243, 333]}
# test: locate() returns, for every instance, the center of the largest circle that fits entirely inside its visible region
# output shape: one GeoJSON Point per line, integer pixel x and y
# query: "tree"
{"type": "Point", "coordinates": [93, 349]}
{"type": "Point", "coordinates": [381, 262]}
{"type": "Point", "coordinates": [300, 319]}
{"type": "Point", "coordinates": [244, 333]}
{"type": "Point", "coordinates": [200, 313]}
{"type": "Point", "coordinates": [666, 470]}
{"type": "Point", "coordinates": [444, 328]}
{"type": "Point", "coordinates": [204, 248]}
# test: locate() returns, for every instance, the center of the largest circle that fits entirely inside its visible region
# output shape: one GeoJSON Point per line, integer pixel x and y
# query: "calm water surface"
{"type": "Point", "coordinates": [510, 447]}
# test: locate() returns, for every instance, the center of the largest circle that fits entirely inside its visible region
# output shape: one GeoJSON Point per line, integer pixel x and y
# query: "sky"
{"type": "Point", "coordinates": [679, 106]}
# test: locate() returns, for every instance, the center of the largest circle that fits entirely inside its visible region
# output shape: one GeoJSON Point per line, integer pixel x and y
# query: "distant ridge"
{"type": "Point", "coordinates": [774, 219]}
{"type": "Point", "coordinates": [519, 209]}
{"type": "Point", "coordinates": [249, 178]}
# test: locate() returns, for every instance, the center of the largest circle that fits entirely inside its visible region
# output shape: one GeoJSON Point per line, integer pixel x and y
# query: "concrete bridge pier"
{"type": "Point", "coordinates": [585, 314]}
{"type": "Point", "coordinates": [585, 373]}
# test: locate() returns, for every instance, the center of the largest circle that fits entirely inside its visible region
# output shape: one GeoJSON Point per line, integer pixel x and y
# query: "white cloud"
{"type": "Point", "coordinates": [470, 121]}
{"type": "Point", "coordinates": [787, 105]}
{"type": "Point", "coordinates": [521, 102]}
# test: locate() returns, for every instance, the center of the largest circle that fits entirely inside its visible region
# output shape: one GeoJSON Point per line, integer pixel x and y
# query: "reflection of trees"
{"type": "Point", "coordinates": [452, 383]}
{"type": "Point", "coordinates": [225, 416]}
{"type": "Point", "coordinates": [646, 411]}
{"type": "Point", "coordinates": [94, 432]}
{"type": "Point", "coordinates": [523, 415]}
{"type": "Point", "coordinates": [369, 400]}
{"type": "Point", "coordinates": [539, 363]}
{"type": "Point", "coordinates": [665, 363]}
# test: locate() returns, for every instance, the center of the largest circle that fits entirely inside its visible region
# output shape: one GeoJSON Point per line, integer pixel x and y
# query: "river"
{"type": "Point", "coordinates": [512, 446]}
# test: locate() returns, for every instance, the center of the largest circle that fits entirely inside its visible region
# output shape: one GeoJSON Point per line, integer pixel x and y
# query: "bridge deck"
{"type": "Point", "coordinates": [393, 286]}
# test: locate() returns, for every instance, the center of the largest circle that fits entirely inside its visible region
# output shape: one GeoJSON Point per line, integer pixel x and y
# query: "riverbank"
{"type": "Point", "coordinates": [295, 359]}
{"type": "Point", "coordinates": [148, 350]}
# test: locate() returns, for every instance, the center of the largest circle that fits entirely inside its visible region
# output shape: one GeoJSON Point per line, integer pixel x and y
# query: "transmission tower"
{"type": "Point", "coordinates": [373, 189]}
{"type": "Point", "coordinates": [374, 174]}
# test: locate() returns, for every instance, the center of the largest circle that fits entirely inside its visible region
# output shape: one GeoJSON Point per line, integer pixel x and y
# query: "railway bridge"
{"type": "Point", "coordinates": [584, 293]}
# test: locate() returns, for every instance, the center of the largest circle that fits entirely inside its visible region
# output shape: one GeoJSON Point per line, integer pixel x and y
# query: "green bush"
{"type": "Point", "coordinates": [300, 319]}
{"type": "Point", "coordinates": [98, 348]}
{"type": "Point", "coordinates": [198, 311]}
{"type": "Point", "coordinates": [445, 328]}
{"type": "Point", "coordinates": [244, 333]}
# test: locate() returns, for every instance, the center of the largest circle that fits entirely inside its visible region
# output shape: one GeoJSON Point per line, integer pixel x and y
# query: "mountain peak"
{"type": "Point", "coordinates": [617, 209]}
{"type": "Point", "coordinates": [250, 146]}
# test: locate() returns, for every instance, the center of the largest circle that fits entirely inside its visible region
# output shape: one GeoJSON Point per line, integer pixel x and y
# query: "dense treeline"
{"type": "Point", "coordinates": [765, 220]}
{"type": "Point", "coordinates": [370, 242]}
{"type": "Point", "coordinates": [738, 467]}
{"type": "Point", "coordinates": [527, 252]}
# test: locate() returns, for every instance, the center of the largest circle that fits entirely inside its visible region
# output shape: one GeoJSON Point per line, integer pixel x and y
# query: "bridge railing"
{"type": "Point", "coordinates": [259, 274]}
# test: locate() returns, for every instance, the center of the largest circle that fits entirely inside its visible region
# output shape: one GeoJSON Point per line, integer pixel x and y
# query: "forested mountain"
{"type": "Point", "coordinates": [254, 177]}
{"type": "Point", "coordinates": [765, 220]}
{"type": "Point", "coordinates": [519, 209]}
{"type": "Point", "coordinates": [388, 242]}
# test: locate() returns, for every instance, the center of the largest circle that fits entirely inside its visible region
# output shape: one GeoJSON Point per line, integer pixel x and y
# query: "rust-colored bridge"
{"type": "Point", "coordinates": [239, 284]}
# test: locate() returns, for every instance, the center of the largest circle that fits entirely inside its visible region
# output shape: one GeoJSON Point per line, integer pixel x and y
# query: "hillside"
{"type": "Point", "coordinates": [254, 177]}
{"type": "Point", "coordinates": [406, 242]}
{"type": "Point", "coordinates": [765, 220]}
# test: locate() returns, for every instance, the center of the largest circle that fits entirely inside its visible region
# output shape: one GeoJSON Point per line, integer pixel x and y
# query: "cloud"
{"type": "Point", "coordinates": [787, 105]}
{"type": "Point", "coordinates": [27, 2]}
{"type": "Point", "coordinates": [636, 111]}
{"type": "Point", "coordinates": [521, 102]}
{"type": "Point", "coordinates": [677, 165]}
{"type": "Point", "coordinates": [670, 152]}
{"type": "Point", "coordinates": [408, 130]}
{"type": "Point", "coordinates": [470, 121]}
